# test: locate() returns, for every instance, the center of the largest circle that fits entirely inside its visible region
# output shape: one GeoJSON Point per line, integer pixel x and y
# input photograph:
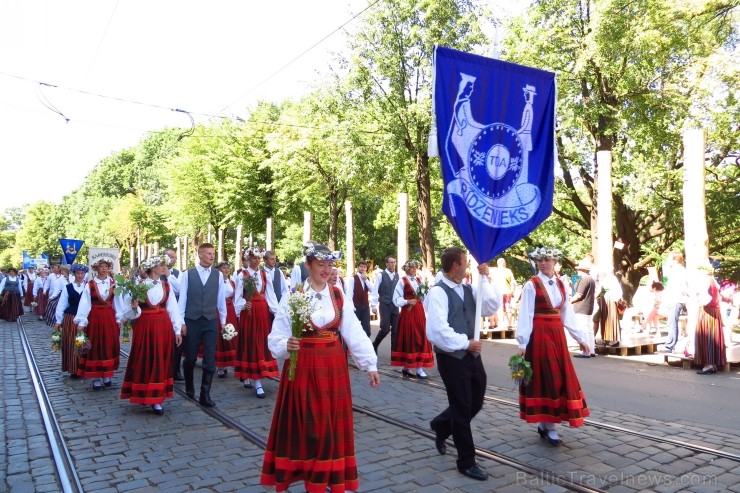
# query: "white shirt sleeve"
{"type": "Point", "coordinates": [173, 310]}
{"type": "Point", "coordinates": [295, 276]}
{"type": "Point", "coordinates": [526, 315]}
{"type": "Point", "coordinates": [349, 287]}
{"type": "Point", "coordinates": [2, 283]}
{"type": "Point", "coordinates": [174, 284]}
{"type": "Point", "coordinates": [221, 299]}
{"type": "Point", "coordinates": [61, 306]}
{"type": "Point", "coordinates": [83, 309]}
{"type": "Point", "coordinates": [183, 301]}
{"type": "Point", "coordinates": [357, 341]}
{"type": "Point", "coordinates": [374, 291]}
{"type": "Point", "coordinates": [439, 331]}
{"type": "Point", "coordinates": [398, 298]}
{"type": "Point", "coordinates": [239, 301]}
{"type": "Point", "coordinates": [270, 297]}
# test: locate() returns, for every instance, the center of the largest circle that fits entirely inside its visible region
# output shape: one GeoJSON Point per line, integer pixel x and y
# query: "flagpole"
{"type": "Point", "coordinates": [478, 306]}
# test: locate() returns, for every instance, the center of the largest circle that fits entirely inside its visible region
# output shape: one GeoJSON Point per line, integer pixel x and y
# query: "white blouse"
{"type": "Point", "coordinates": [352, 333]}
{"type": "Point", "coordinates": [240, 302]}
{"type": "Point", "coordinates": [83, 311]}
{"type": "Point", "coordinates": [398, 298]}
{"type": "Point", "coordinates": [154, 295]}
{"type": "Point", "coordinates": [41, 285]}
{"type": "Point", "coordinates": [64, 300]}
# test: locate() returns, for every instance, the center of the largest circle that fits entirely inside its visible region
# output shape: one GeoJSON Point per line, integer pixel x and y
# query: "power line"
{"type": "Point", "coordinates": [95, 56]}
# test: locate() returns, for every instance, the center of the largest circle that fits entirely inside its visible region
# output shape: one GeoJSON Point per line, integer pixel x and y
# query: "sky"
{"type": "Point", "coordinates": [210, 57]}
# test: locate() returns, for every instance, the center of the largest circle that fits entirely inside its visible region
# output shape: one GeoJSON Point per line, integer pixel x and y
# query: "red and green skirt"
{"type": "Point", "coordinates": [42, 298]}
{"type": "Point", "coordinates": [103, 358]}
{"type": "Point", "coordinates": [709, 340]}
{"type": "Point", "coordinates": [312, 437]}
{"type": "Point", "coordinates": [226, 350]}
{"type": "Point", "coordinates": [253, 357]}
{"type": "Point", "coordinates": [70, 358]}
{"type": "Point", "coordinates": [412, 347]}
{"type": "Point", "coordinates": [12, 306]}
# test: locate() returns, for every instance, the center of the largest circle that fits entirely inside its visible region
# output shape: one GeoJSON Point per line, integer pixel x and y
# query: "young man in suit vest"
{"type": "Point", "coordinates": [382, 294]}
{"type": "Point", "coordinates": [358, 289]}
{"type": "Point", "coordinates": [451, 327]}
{"type": "Point", "coordinates": [202, 299]}
{"type": "Point", "coordinates": [276, 279]}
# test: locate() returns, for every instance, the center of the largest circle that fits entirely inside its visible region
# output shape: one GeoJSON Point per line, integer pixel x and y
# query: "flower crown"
{"type": "Point", "coordinates": [545, 253]}
{"type": "Point", "coordinates": [253, 252]}
{"type": "Point", "coordinates": [310, 250]}
{"type": "Point", "coordinates": [79, 267]}
{"type": "Point", "coordinates": [411, 263]}
{"type": "Point", "coordinates": [152, 262]}
{"type": "Point", "coordinates": [106, 261]}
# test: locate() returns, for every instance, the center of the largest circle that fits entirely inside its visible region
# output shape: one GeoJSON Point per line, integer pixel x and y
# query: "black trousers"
{"type": "Point", "coordinates": [465, 381]}
{"type": "Point", "coordinates": [205, 331]}
{"type": "Point", "coordinates": [363, 314]}
{"type": "Point", "coordinates": [388, 322]}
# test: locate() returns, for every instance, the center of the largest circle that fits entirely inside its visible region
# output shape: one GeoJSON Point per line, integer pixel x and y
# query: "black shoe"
{"type": "Point", "coordinates": [222, 373]}
{"type": "Point", "coordinates": [158, 412]}
{"type": "Point", "coordinates": [96, 385]}
{"type": "Point", "coordinates": [593, 355]}
{"type": "Point", "coordinates": [74, 376]}
{"type": "Point", "coordinates": [108, 383]}
{"type": "Point", "coordinates": [179, 377]}
{"type": "Point", "coordinates": [260, 393]}
{"type": "Point", "coordinates": [474, 472]}
{"type": "Point", "coordinates": [708, 371]}
{"type": "Point", "coordinates": [581, 356]}
{"type": "Point", "coordinates": [440, 442]}
{"type": "Point", "coordinates": [407, 374]}
{"type": "Point", "coordinates": [205, 389]}
{"type": "Point", "coordinates": [541, 432]}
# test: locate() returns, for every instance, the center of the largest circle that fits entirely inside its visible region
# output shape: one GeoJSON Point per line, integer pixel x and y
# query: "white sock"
{"type": "Point", "coordinates": [552, 434]}
{"type": "Point", "coordinates": [257, 384]}
{"type": "Point", "coordinates": [157, 406]}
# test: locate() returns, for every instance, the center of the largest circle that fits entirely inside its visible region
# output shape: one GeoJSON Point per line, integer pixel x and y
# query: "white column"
{"type": "Point", "coordinates": [269, 235]}
{"type": "Point", "coordinates": [604, 254]}
{"type": "Point", "coordinates": [221, 245]}
{"type": "Point", "coordinates": [238, 255]}
{"type": "Point", "coordinates": [350, 233]}
{"type": "Point", "coordinates": [403, 231]}
{"type": "Point", "coordinates": [696, 239]}
{"type": "Point", "coordinates": [178, 248]}
{"type": "Point", "coordinates": [307, 225]}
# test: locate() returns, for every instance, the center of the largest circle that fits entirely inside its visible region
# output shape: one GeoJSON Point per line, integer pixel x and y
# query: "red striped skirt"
{"type": "Point", "coordinates": [148, 378]}
{"type": "Point", "coordinates": [41, 300]}
{"type": "Point", "coordinates": [710, 340]}
{"type": "Point", "coordinates": [50, 310]}
{"type": "Point", "coordinates": [70, 359]}
{"type": "Point", "coordinates": [226, 350]}
{"type": "Point", "coordinates": [12, 308]}
{"type": "Point", "coordinates": [412, 347]}
{"type": "Point", "coordinates": [28, 298]}
{"type": "Point", "coordinates": [104, 355]}
{"type": "Point", "coordinates": [312, 437]}
{"type": "Point", "coordinates": [554, 394]}
{"type": "Point", "coordinates": [253, 357]}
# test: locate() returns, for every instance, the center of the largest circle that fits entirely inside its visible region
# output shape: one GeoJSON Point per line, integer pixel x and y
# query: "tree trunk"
{"type": "Point", "coordinates": [333, 220]}
{"type": "Point", "coordinates": [424, 210]}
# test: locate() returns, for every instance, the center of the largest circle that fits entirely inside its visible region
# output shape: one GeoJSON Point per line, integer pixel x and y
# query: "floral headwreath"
{"type": "Point", "coordinates": [411, 263]}
{"type": "Point", "coordinates": [545, 253]}
{"type": "Point", "coordinates": [223, 264]}
{"type": "Point", "coordinates": [254, 252]}
{"type": "Point", "coordinates": [106, 261]}
{"type": "Point", "coordinates": [152, 262]}
{"type": "Point", "coordinates": [77, 267]}
{"type": "Point", "coordinates": [310, 250]}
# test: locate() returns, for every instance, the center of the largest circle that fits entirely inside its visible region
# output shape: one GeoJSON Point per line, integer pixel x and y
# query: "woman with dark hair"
{"type": "Point", "coordinates": [311, 437]}
{"type": "Point", "coordinates": [157, 323]}
{"type": "Point", "coordinates": [66, 310]}
{"type": "Point", "coordinates": [11, 295]}
{"type": "Point", "coordinates": [412, 348]}
{"type": "Point", "coordinates": [710, 340]}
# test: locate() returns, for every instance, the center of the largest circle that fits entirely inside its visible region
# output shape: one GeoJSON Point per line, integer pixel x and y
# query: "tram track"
{"type": "Point", "coordinates": [69, 480]}
{"type": "Point", "coordinates": [588, 422]}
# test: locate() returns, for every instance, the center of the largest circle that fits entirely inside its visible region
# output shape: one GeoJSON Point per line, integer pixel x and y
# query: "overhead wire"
{"type": "Point", "coordinates": [100, 43]}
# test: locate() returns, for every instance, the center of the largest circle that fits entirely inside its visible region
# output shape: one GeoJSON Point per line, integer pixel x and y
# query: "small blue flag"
{"type": "Point", "coordinates": [496, 133]}
{"type": "Point", "coordinates": [70, 248]}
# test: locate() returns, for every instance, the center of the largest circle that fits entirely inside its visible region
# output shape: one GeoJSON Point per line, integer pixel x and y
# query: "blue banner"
{"type": "Point", "coordinates": [70, 248]}
{"type": "Point", "coordinates": [496, 129]}
{"type": "Point", "coordinates": [28, 261]}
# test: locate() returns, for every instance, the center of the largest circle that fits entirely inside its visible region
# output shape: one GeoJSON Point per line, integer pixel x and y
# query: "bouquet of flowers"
{"type": "Point", "coordinates": [34, 305]}
{"type": "Point", "coordinates": [125, 330]}
{"type": "Point", "coordinates": [521, 370]}
{"type": "Point", "coordinates": [229, 332]}
{"type": "Point", "coordinates": [126, 285]}
{"type": "Point", "coordinates": [250, 287]}
{"type": "Point", "coordinates": [82, 343]}
{"type": "Point", "coordinates": [56, 340]}
{"type": "Point", "coordinates": [300, 307]}
{"type": "Point", "coordinates": [421, 292]}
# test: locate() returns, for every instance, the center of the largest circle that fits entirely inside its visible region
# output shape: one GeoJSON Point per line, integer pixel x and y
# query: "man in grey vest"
{"type": "Point", "coordinates": [202, 299]}
{"type": "Point", "coordinates": [382, 300]}
{"type": "Point", "coordinates": [451, 326]}
{"type": "Point", "coordinates": [276, 279]}
{"type": "Point", "coordinates": [299, 274]}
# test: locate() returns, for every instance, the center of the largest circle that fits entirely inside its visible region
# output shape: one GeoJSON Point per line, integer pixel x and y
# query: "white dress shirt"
{"type": "Point", "coordinates": [349, 287]}
{"type": "Point", "coordinates": [64, 300]}
{"type": "Point", "coordinates": [353, 335]}
{"type": "Point", "coordinates": [376, 286]}
{"type": "Point", "coordinates": [436, 305]}
{"type": "Point", "coordinates": [42, 284]}
{"type": "Point", "coordinates": [56, 284]}
{"type": "Point", "coordinates": [285, 291]}
{"type": "Point", "coordinates": [29, 277]}
{"type": "Point", "coordinates": [154, 295]}
{"type": "Point", "coordinates": [203, 274]}
{"type": "Point", "coordinates": [526, 311]}
{"type": "Point", "coordinates": [677, 287]}
{"type": "Point", "coordinates": [103, 286]}
{"type": "Point", "coordinates": [240, 302]}
{"type": "Point", "coordinates": [398, 298]}
{"type": "Point", "coordinates": [12, 278]}
{"type": "Point", "coordinates": [295, 274]}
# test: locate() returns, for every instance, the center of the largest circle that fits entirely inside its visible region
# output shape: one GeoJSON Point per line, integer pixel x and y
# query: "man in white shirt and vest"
{"type": "Point", "coordinates": [276, 280]}
{"type": "Point", "coordinates": [382, 298]}
{"type": "Point", "coordinates": [358, 290]}
{"type": "Point", "coordinates": [451, 327]}
{"type": "Point", "coordinates": [202, 299]}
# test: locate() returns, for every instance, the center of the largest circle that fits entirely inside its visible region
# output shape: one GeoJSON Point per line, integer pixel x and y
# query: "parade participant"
{"type": "Point", "coordinates": [66, 310]}
{"type": "Point", "coordinates": [710, 340]}
{"type": "Point", "coordinates": [583, 307]}
{"type": "Point", "coordinates": [226, 350]}
{"type": "Point", "coordinates": [100, 313]}
{"type": "Point", "coordinates": [276, 281]}
{"type": "Point", "coordinates": [503, 279]}
{"type": "Point", "coordinates": [202, 306]}
{"type": "Point", "coordinates": [674, 296]}
{"type": "Point", "coordinates": [335, 279]}
{"type": "Point", "coordinates": [172, 276]}
{"type": "Point", "coordinates": [412, 349]}
{"type": "Point", "coordinates": [11, 296]}
{"type": "Point", "coordinates": [29, 279]}
{"type": "Point", "coordinates": [358, 290]}
{"type": "Point", "coordinates": [299, 274]}
{"type": "Point", "coordinates": [382, 301]}
{"type": "Point", "coordinates": [311, 437]}
{"type": "Point", "coordinates": [554, 394]}
{"type": "Point", "coordinates": [57, 282]}
{"type": "Point", "coordinates": [451, 325]}
{"type": "Point", "coordinates": [157, 321]}
{"type": "Point", "coordinates": [253, 358]}
{"type": "Point", "coordinates": [41, 292]}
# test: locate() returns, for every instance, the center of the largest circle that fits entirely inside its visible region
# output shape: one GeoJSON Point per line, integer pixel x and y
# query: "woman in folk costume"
{"type": "Point", "coordinates": [554, 394]}
{"type": "Point", "coordinates": [157, 323]}
{"type": "Point", "coordinates": [226, 350]}
{"type": "Point", "coordinates": [412, 348]}
{"type": "Point", "coordinates": [253, 358]}
{"type": "Point", "coordinates": [41, 292]}
{"type": "Point", "coordinates": [100, 313]}
{"type": "Point", "coordinates": [11, 296]}
{"type": "Point", "coordinates": [66, 310]}
{"type": "Point", "coordinates": [311, 437]}
{"type": "Point", "coordinates": [57, 281]}
{"type": "Point", "coordinates": [709, 350]}
{"type": "Point", "coordinates": [29, 279]}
